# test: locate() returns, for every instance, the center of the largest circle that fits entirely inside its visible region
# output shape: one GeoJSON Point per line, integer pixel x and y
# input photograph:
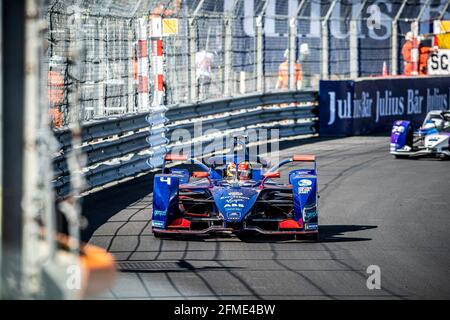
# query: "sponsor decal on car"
{"type": "Point", "coordinates": [398, 129]}
{"type": "Point", "coordinates": [157, 224]}
{"type": "Point", "coordinates": [304, 190]}
{"type": "Point", "coordinates": [234, 205]}
{"type": "Point", "coordinates": [309, 215]}
{"type": "Point", "coordinates": [234, 198]}
{"type": "Point", "coordinates": [234, 215]}
{"type": "Point", "coordinates": [312, 226]}
{"type": "Point", "coordinates": [304, 183]}
{"type": "Point", "coordinates": [158, 213]}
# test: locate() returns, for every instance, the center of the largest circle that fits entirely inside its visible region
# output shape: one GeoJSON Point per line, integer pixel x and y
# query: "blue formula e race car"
{"type": "Point", "coordinates": [431, 140]}
{"type": "Point", "coordinates": [230, 194]}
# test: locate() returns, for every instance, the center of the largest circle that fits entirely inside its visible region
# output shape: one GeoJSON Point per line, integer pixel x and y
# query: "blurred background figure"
{"type": "Point", "coordinates": [167, 10]}
{"type": "Point", "coordinates": [56, 94]}
{"type": "Point", "coordinates": [283, 74]}
{"type": "Point", "coordinates": [408, 64]}
{"type": "Point", "coordinates": [203, 63]}
{"type": "Point", "coordinates": [424, 54]}
{"type": "Point", "coordinates": [412, 65]}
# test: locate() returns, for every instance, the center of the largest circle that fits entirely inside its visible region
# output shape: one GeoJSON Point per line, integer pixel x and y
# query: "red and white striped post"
{"type": "Point", "coordinates": [143, 66]}
{"type": "Point", "coordinates": [156, 118]}
{"type": "Point", "coordinates": [157, 60]}
{"type": "Point", "coordinates": [415, 49]}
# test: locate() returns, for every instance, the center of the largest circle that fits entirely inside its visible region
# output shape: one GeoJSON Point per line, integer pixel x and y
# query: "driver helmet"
{"type": "Point", "coordinates": [435, 123]}
{"type": "Point", "coordinates": [446, 116]}
{"type": "Point", "coordinates": [231, 170]}
{"type": "Point", "coordinates": [244, 170]}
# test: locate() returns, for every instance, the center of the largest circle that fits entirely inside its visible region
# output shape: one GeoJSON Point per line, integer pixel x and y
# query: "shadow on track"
{"type": "Point", "coordinates": [336, 233]}
{"type": "Point", "coordinates": [172, 267]}
{"type": "Point", "coordinates": [328, 233]}
{"type": "Point", "coordinates": [99, 207]}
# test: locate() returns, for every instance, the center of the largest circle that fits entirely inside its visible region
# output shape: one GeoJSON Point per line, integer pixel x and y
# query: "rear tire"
{"type": "Point", "coordinates": [315, 237]}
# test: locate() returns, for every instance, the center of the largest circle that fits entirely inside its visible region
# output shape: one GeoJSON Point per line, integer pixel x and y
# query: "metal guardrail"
{"type": "Point", "coordinates": [123, 147]}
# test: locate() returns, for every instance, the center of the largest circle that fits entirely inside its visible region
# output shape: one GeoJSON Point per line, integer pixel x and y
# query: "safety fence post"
{"type": "Point", "coordinates": [156, 118]}
{"type": "Point", "coordinates": [143, 66]}
{"type": "Point", "coordinates": [292, 53]}
{"type": "Point", "coordinates": [354, 55]}
{"type": "Point", "coordinates": [325, 33]}
{"type": "Point", "coordinates": [157, 62]}
{"type": "Point", "coordinates": [259, 54]}
{"type": "Point", "coordinates": [132, 72]}
{"type": "Point", "coordinates": [228, 57]}
{"type": "Point", "coordinates": [100, 110]}
{"type": "Point", "coordinates": [415, 48]}
{"type": "Point", "coordinates": [325, 67]}
{"type": "Point", "coordinates": [394, 49]}
{"type": "Point", "coordinates": [192, 47]}
{"type": "Point", "coordinates": [415, 26]}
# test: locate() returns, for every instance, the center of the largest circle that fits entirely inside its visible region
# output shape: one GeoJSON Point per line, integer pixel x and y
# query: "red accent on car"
{"type": "Point", "coordinates": [304, 157]}
{"type": "Point", "coordinates": [180, 223]}
{"type": "Point", "coordinates": [289, 224]}
{"type": "Point", "coordinates": [175, 157]}
{"type": "Point", "coordinates": [272, 175]}
{"type": "Point", "coordinates": [203, 215]}
{"type": "Point", "coordinates": [200, 174]}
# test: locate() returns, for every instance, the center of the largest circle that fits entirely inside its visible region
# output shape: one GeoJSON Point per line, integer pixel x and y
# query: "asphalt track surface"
{"type": "Point", "coordinates": [374, 210]}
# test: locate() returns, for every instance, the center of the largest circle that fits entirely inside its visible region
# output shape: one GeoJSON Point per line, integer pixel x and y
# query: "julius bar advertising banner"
{"type": "Point", "coordinates": [369, 106]}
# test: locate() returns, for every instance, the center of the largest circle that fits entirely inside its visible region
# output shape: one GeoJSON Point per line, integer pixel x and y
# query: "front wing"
{"type": "Point", "coordinates": [422, 152]}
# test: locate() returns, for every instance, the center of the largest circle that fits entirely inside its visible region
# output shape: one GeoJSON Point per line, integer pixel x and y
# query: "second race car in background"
{"type": "Point", "coordinates": [432, 139]}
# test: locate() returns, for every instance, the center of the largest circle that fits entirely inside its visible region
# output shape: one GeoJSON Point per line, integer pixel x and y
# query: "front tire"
{"type": "Point", "coordinates": [246, 236]}
{"type": "Point", "coordinates": [157, 235]}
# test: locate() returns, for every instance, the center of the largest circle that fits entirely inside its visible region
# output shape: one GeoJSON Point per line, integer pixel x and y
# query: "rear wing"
{"type": "Point", "coordinates": [183, 159]}
{"type": "Point", "coordinates": [304, 158]}
{"type": "Point", "coordinates": [175, 157]}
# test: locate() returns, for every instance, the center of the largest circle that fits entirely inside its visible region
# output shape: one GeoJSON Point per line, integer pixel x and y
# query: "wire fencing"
{"type": "Point", "coordinates": [218, 52]}
{"type": "Point", "coordinates": [108, 85]}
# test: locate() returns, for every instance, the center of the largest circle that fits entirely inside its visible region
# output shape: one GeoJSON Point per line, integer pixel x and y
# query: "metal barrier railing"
{"type": "Point", "coordinates": [122, 148]}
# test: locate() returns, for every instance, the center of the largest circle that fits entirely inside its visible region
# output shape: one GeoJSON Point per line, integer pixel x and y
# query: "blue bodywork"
{"type": "Point", "coordinates": [234, 203]}
{"type": "Point", "coordinates": [258, 204]}
{"type": "Point", "coordinates": [305, 198]}
{"type": "Point", "coordinates": [165, 193]}
{"type": "Point", "coordinates": [399, 133]}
